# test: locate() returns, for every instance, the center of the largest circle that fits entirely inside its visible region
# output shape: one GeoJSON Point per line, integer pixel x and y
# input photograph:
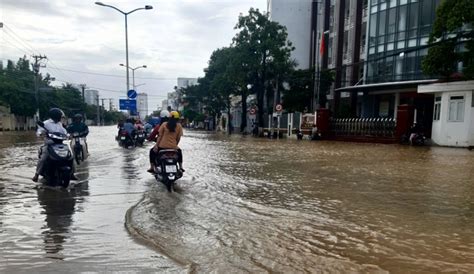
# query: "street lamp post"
{"type": "Point", "coordinates": [147, 7]}
{"type": "Point", "coordinates": [133, 72]}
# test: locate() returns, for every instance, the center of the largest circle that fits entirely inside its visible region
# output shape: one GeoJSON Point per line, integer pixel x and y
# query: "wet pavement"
{"type": "Point", "coordinates": [244, 205]}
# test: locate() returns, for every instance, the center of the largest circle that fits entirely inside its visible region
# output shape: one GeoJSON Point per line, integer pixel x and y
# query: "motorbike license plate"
{"type": "Point", "coordinates": [170, 169]}
{"type": "Point", "coordinates": [122, 138]}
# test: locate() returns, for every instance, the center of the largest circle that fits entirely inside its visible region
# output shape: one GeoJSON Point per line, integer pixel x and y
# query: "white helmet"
{"type": "Point", "coordinates": [164, 113]}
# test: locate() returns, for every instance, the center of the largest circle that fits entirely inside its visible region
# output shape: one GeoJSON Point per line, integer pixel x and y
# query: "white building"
{"type": "Point", "coordinates": [142, 104]}
{"type": "Point", "coordinates": [296, 16]}
{"type": "Point", "coordinates": [91, 96]}
{"type": "Point", "coordinates": [173, 101]}
{"type": "Point", "coordinates": [186, 82]}
{"type": "Point", "coordinates": [164, 104]}
{"type": "Point", "coordinates": [453, 118]}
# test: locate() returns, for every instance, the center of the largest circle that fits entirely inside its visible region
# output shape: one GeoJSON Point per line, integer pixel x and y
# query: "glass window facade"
{"type": "Point", "coordinates": [396, 29]}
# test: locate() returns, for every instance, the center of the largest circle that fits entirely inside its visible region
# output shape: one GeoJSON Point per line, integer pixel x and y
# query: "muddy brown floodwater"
{"type": "Point", "coordinates": [244, 205]}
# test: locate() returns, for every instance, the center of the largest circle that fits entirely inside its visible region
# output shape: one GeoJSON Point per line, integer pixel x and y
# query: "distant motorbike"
{"type": "Point", "coordinates": [140, 137]}
{"type": "Point", "coordinates": [125, 140]}
{"type": "Point", "coordinates": [167, 168]}
{"type": "Point", "coordinates": [59, 166]}
{"type": "Point", "coordinates": [415, 136]}
{"type": "Point", "coordinates": [79, 147]}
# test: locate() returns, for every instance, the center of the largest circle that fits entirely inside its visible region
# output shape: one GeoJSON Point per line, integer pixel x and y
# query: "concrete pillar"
{"type": "Point", "coordinates": [397, 103]}
{"type": "Point", "coordinates": [404, 119]}
{"type": "Point", "coordinates": [290, 123]}
{"type": "Point", "coordinates": [322, 122]}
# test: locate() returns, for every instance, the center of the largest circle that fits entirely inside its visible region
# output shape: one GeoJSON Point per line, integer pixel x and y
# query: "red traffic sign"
{"type": "Point", "coordinates": [252, 111]}
{"type": "Point", "coordinates": [279, 107]}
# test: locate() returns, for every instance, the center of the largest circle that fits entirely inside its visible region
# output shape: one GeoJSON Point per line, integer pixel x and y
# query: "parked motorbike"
{"type": "Point", "coordinates": [414, 136]}
{"type": "Point", "coordinates": [58, 167]}
{"type": "Point", "coordinates": [79, 147]}
{"type": "Point", "coordinates": [125, 140]}
{"type": "Point", "coordinates": [417, 139]}
{"type": "Point", "coordinates": [167, 168]}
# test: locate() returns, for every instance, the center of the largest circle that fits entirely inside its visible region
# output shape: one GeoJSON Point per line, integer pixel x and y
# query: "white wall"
{"type": "Point", "coordinates": [295, 15]}
{"type": "Point", "coordinates": [449, 133]}
{"type": "Point", "coordinates": [142, 104]}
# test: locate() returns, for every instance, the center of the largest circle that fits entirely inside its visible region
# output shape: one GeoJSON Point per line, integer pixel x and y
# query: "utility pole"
{"type": "Point", "coordinates": [83, 87]}
{"type": "Point", "coordinates": [98, 111]}
{"type": "Point", "coordinates": [36, 67]}
{"type": "Point", "coordinates": [103, 110]}
{"type": "Point", "coordinates": [110, 103]}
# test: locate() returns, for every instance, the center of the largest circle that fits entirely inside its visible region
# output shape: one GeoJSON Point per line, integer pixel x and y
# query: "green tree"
{"type": "Point", "coordinates": [17, 87]}
{"type": "Point", "coordinates": [298, 96]}
{"type": "Point", "coordinates": [266, 53]}
{"type": "Point", "coordinates": [453, 27]}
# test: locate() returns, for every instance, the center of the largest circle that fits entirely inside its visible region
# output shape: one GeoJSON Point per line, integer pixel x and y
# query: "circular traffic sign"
{"type": "Point", "coordinates": [279, 107]}
{"type": "Point", "coordinates": [132, 94]}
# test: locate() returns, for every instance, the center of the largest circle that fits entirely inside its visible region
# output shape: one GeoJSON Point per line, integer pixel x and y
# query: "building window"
{"type": "Point", "coordinates": [437, 108]}
{"type": "Point", "coordinates": [413, 20]}
{"type": "Point", "coordinates": [456, 109]}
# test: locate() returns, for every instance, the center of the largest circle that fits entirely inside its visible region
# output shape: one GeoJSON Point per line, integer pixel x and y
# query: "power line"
{"type": "Point", "coordinates": [7, 27]}
{"type": "Point", "coordinates": [109, 90]}
{"type": "Point", "coordinates": [116, 75]}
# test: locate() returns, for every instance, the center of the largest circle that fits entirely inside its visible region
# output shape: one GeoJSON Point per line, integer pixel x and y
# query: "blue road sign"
{"type": "Point", "coordinates": [126, 104]}
{"type": "Point", "coordinates": [132, 94]}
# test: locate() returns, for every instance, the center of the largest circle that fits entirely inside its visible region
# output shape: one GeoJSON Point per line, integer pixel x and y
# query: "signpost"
{"type": "Point", "coordinates": [279, 108]}
{"type": "Point", "coordinates": [132, 94]}
{"type": "Point", "coordinates": [126, 104]}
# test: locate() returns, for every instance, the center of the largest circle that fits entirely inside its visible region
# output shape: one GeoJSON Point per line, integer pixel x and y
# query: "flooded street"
{"type": "Point", "coordinates": [244, 205]}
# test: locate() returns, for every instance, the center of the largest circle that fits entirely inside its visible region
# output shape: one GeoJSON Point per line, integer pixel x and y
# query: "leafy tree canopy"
{"type": "Point", "coordinates": [452, 39]}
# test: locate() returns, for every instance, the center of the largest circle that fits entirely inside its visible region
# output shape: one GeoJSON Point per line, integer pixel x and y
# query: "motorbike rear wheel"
{"type": "Point", "coordinates": [78, 155]}
{"type": "Point", "coordinates": [168, 184]}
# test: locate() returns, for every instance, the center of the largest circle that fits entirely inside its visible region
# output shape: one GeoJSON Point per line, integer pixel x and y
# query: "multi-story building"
{"type": "Point", "coordinates": [186, 82]}
{"type": "Point", "coordinates": [343, 24]}
{"type": "Point", "coordinates": [164, 104]}
{"type": "Point", "coordinates": [91, 97]}
{"type": "Point", "coordinates": [173, 100]}
{"type": "Point", "coordinates": [299, 18]}
{"type": "Point", "coordinates": [398, 33]}
{"type": "Point", "coordinates": [142, 104]}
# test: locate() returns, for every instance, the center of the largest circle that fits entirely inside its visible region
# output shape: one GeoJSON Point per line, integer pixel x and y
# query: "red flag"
{"type": "Point", "coordinates": [323, 45]}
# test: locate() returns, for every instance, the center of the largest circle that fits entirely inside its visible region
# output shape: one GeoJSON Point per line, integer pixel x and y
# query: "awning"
{"type": "Point", "coordinates": [386, 86]}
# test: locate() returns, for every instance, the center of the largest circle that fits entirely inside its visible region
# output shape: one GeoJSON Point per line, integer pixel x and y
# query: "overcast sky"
{"type": "Point", "coordinates": [174, 39]}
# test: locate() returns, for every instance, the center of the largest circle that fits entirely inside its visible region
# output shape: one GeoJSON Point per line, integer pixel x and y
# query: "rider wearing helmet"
{"type": "Point", "coordinates": [53, 124]}
{"type": "Point", "coordinates": [164, 116]}
{"type": "Point", "coordinates": [169, 135]}
{"type": "Point", "coordinates": [77, 126]}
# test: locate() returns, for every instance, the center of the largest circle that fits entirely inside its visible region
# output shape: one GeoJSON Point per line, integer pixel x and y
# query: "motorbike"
{"type": "Point", "coordinates": [140, 137]}
{"type": "Point", "coordinates": [167, 168]}
{"type": "Point", "coordinates": [58, 167]}
{"type": "Point", "coordinates": [125, 140]}
{"type": "Point", "coordinates": [418, 139]}
{"type": "Point", "coordinates": [79, 147]}
{"type": "Point", "coordinates": [415, 136]}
